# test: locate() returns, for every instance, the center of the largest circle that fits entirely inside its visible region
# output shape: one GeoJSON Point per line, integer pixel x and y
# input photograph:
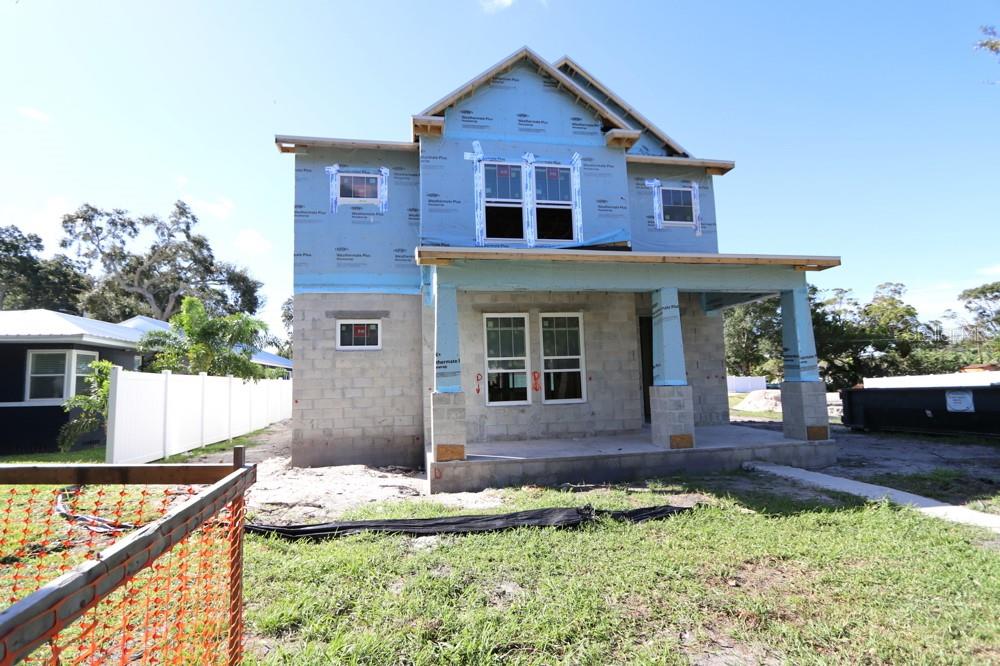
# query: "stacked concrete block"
{"type": "Point", "coordinates": [357, 407]}
{"type": "Point", "coordinates": [448, 431]}
{"type": "Point", "coordinates": [705, 360]}
{"type": "Point", "coordinates": [614, 398]}
{"type": "Point", "coordinates": [804, 412]}
{"type": "Point", "coordinates": [672, 415]}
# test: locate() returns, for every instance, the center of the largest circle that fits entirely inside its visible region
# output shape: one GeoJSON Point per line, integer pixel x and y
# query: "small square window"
{"type": "Point", "coordinates": [359, 335]}
{"type": "Point", "coordinates": [82, 371]}
{"type": "Point", "coordinates": [678, 206]}
{"type": "Point", "coordinates": [46, 375]}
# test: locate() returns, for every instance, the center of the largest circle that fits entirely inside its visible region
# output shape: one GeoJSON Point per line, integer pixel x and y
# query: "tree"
{"type": "Point", "coordinates": [752, 334]}
{"type": "Point", "coordinates": [89, 410]}
{"type": "Point", "coordinates": [29, 282]}
{"type": "Point", "coordinates": [198, 342]}
{"type": "Point", "coordinates": [990, 41]}
{"type": "Point", "coordinates": [287, 318]}
{"type": "Point", "coordinates": [983, 302]}
{"type": "Point", "coordinates": [177, 263]}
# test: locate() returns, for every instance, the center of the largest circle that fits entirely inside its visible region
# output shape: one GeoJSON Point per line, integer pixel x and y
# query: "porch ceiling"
{"type": "Point", "coordinates": [443, 256]}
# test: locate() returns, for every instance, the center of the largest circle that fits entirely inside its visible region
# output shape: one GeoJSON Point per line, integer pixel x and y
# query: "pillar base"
{"type": "Point", "coordinates": [448, 436]}
{"type": "Point", "coordinates": [672, 413]}
{"type": "Point", "coordinates": [803, 411]}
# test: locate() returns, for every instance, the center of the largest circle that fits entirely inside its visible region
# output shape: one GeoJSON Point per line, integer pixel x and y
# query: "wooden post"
{"type": "Point", "coordinates": [238, 509]}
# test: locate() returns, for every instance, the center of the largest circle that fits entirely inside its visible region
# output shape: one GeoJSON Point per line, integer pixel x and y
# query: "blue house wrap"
{"type": "Point", "coordinates": [540, 260]}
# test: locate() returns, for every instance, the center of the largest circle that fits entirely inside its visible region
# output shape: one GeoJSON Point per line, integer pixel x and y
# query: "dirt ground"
{"type": "Point", "coordinates": [287, 495]}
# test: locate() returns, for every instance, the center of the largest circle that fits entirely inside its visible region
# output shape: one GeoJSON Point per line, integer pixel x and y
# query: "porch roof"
{"type": "Point", "coordinates": [443, 256]}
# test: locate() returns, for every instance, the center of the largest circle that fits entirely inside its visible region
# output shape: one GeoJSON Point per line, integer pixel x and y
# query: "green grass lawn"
{"type": "Point", "coordinates": [948, 485]}
{"type": "Point", "coordinates": [91, 454]}
{"type": "Point", "coordinates": [248, 440]}
{"type": "Point", "coordinates": [744, 578]}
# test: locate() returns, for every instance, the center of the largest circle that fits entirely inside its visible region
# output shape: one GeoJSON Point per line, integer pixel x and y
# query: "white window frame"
{"type": "Point", "coordinates": [582, 357]}
{"type": "Point", "coordinates": [548, 203]}
{"type": "Point", "coordinates": [664, 222]}
{"type": "Point", "coordinates": [381, 331]}
{"type": "Point", "coordinates": [527, 358]}
{"type": "Point", "coordinates": [506, 203]}
{"type": "Point", "coordinates": [360, 200]}
{"type": "Point", "coordinates": [69, 374]}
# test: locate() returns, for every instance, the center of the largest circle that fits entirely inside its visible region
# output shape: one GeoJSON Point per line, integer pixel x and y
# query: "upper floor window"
{"type": "Point", "coordinates": [553, 203]}
{"type": "Point", "coordinates": [504, 220]}
{"type": "Point", "coordinates": [678, 206]}
{"type": "Point", "coordinates": [359, 188]}
{"type": "Point", "coordinates": [505, 202]}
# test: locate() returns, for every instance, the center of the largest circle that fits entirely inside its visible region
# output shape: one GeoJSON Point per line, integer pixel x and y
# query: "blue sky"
{"type": "Point", "coordinates": [866, 130]}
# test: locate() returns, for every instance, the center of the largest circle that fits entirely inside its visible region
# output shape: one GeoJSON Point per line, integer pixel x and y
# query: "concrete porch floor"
{"type": "Point", "coordinates": [705, 437]}
{"type": "Point", "coordinates": [616, 458]}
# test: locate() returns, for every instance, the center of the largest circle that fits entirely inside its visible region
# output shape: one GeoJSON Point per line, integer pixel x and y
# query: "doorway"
{"type": "Point", "coordinates": [646, 362]}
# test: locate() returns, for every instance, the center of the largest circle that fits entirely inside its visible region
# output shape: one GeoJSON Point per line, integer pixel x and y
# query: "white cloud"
{"type": "Point", "coordinates": [251, 243]}
{"type": "Point", "coordinates": [31, 113]}
{"type": "Point", "coordinates": [219, 208]}
{"type": "Point", "coordinates": [990, 271]}
{"type": "Point", "coordinates": [493, 6]}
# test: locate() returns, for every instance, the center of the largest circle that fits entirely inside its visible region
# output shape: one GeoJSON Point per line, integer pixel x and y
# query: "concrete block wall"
{"type": "Point", "coordinates": [614, 400]}
{"type": "Point", "coordinates": [357, 407]}
{"type": "Point", "coordinates": [804, 412]}
{"type": "Point", "coordinates": [672, 412]}
{"type": "Point", "coordinates": [705, 361]}
{"type": "Point", "coordinates": [704, 358]}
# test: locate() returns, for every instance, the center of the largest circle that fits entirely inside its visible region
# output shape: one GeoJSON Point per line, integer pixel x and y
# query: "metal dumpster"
{"type": "Point", "coordinates": [945, 410]}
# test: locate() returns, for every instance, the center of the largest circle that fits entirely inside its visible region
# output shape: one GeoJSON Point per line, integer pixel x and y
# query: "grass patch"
{"type": "Point", "coordinates": [90, 454]}
{"type": "Point", "coordinates": [947, 485]}
{"type": "Point", "coordinates": [248, 440]}
{"type": "Point", "coordinates": [745, 577]}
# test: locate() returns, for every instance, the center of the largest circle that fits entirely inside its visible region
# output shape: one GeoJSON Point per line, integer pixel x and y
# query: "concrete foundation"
{"type": "Point", "coordinates": [672, 412]}
{"type": "Point", "coordinates": [448, 429]}
{"type": "Point", "coordinates": [620, 458]}
{"type": "Point", "coordinates": [803, 411]}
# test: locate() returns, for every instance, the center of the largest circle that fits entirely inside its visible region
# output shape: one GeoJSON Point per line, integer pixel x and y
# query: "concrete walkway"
{"type": "Point", "coordinates": [925, 505]}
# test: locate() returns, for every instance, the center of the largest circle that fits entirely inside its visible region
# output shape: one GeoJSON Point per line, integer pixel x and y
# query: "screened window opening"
{"type": "Point", "coordinates": [562, 358]}
{"type": "Point", "coordinates": [358, 188]}
{"type": "Point", "coordinates": [678, 206]}
{"type": "Point", "coordinates": [553, 203]}
{"type": "Point", "coordinates": [506, 359]}
{"type": "Point", "coordinates": [504, 220]}
{"type": "Point", "coordinates": [46, 375]}
{"type": "Point", "coordinates": [359, 335]}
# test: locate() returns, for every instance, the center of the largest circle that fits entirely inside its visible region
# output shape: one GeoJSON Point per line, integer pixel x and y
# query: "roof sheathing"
{"type": "Point", "coordinates": [524, 53]}
{"type": "Point", "coordinates": [567, 63]}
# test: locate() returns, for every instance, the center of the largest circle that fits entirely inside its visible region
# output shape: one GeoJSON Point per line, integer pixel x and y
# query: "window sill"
{"type": "Point", "coordinates": [39, 402]}
{"type": "Point", "coordinates": [509, 404]}
{"type": "Point", "coordinates": [575, 401]}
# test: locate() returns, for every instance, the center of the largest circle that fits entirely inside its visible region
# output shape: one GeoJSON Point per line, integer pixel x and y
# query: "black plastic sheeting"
{"type": "Point", "coordinates": [556, 517]}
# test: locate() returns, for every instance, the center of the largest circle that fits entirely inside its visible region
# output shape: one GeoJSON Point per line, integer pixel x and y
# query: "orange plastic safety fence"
{"type": "Point", "coordinates": [183, 608]}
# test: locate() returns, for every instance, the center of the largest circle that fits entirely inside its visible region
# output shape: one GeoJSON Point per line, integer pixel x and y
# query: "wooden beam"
{"type": "Point", "coordinates": [78, 475]}
{"type": "Point", "coordinates": [298, 144]}
{"type": "Point", "coordinates": [431, 256]}
{"type": "Point", "coordinates": [618, 138]}
{"type": "Point", "coordinates": [719, 167]}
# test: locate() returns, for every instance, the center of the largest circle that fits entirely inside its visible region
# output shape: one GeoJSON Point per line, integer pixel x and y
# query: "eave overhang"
{"type": "Point", "coordinates": [442, 256]}
{"type": "Point", "coordinates": [712, 167]}
{"type": "Point", "coordinates": [300, 144]}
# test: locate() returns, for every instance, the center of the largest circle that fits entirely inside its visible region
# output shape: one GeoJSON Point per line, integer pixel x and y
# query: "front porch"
{"type": "Point", "coordinates": [619, 457]}
{"type": "Point", "coordinates": [508, 405]}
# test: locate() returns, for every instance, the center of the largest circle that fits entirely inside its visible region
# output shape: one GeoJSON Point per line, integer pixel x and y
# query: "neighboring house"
{"type": "Point", "coordinates": [45, 357]}
{"type": "Point", "coordinates": [539, 263]}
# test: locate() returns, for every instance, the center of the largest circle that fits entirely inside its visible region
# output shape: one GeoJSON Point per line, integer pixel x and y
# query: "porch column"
{"type": "Point", "coordinates": [448, 400]}
{"type": "Point", "coordinates": [803, 394]}
{"type": "Point", "coordinates": [670, 400]}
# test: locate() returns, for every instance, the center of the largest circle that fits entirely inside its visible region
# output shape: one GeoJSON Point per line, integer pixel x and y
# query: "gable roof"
{"type": "Point", "coordinates": [524, 53]}
{"type": "Point", "coordinates": [567, 63]}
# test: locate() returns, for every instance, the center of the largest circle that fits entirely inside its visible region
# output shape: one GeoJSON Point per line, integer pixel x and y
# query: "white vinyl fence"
{"type": "Point", "coordinates": [155, 415]}
{"type": "Point", "coordinates": [745, 384]}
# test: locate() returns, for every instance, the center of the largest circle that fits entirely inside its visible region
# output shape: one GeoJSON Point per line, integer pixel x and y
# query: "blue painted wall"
{"type": "Point", "coordinates": [357, 248]}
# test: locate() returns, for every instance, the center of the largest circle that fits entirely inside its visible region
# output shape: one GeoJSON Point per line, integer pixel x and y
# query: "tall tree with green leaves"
{"type": "Point", "coordinates": [153, 280]}
{"type": "Point", "coordinates": [27, 281]}
{"type": "Point", "coordinates": [199, 342]}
